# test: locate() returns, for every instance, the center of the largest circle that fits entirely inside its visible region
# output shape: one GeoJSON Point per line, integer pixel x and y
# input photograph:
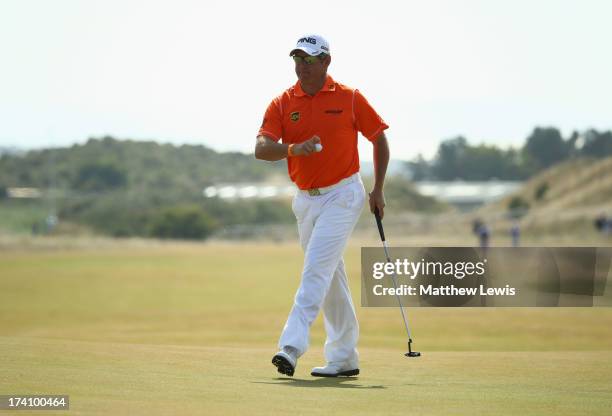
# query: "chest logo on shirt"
{"type": "Point", "coordinates": [295, 116]}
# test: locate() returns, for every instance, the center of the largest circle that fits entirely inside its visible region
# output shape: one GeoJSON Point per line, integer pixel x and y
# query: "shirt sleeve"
{"type": "Point", "coordinates": [272, 126]}
{"type": "Point", "coordinates": [367, 120]}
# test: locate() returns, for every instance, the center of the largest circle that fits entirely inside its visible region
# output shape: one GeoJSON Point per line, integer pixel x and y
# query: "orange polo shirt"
{"type": "Point", "coordinates": [336, 113]}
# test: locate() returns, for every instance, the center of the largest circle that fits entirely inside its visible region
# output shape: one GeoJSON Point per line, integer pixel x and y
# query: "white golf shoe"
{"type": "Point", "coordinates": [336, 369]}
{"type": "Point", "coordinates": [286, 360]}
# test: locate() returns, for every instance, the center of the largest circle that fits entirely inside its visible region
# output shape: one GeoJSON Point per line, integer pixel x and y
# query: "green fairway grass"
{"type": "Point", "coordinates": [190, 329]}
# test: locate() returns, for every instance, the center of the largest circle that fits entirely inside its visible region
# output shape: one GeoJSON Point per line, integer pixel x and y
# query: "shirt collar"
{"type": "Point", "coordinates": [329, 86]}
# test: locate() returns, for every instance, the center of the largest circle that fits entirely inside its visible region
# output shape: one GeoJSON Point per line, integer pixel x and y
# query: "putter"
{"type": "Point", "coordinates": [410, 353]}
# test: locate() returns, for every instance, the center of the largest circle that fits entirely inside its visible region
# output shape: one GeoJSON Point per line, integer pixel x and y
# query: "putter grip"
{"type": "Point", "coordinates": [379, 224]}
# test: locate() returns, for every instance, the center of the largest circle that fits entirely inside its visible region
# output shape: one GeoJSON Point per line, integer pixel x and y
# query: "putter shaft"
{"type": "Point", "coordinates": [381, 231]}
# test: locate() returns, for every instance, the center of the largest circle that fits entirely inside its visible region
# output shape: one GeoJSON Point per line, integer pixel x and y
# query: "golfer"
{"type": "Point", "coordinates": [314, 125]}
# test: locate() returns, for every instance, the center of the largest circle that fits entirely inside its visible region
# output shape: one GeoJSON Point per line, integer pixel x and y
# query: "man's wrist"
{"type": "Point", "coordinates": [290, 150]}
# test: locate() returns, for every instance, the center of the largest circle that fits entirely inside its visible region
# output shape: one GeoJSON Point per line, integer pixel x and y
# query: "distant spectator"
{"type": "Point", "coordinates": [50, 223]}
{"type": "Point", "coordinates": [603, 224]}
{"type": "Point", "coordinates": [483, 234]}
{"type": "Point", "coordinates": [482, 231]}
{"type": "Point", "coordinates": [476, 225]}
{"type": "Point", "coordinates": [515, 232]}
{"type": "Point", "coordinates": [600, 222]}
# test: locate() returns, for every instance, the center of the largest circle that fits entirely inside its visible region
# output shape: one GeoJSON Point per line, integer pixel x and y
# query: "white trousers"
{"type": "Point", "coordinates": [325, 223]}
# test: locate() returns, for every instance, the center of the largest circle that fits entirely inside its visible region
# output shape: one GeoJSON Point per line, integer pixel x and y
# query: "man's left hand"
{"type": "Point", "coordinates": [377, 200]}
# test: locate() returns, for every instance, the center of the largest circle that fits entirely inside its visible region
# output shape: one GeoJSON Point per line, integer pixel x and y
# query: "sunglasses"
{"type": "Point", "coordinates": [308, 60]}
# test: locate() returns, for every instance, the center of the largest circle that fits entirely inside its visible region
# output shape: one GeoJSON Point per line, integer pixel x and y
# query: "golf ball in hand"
{"type": "Point", "coordinates": [318, 147]}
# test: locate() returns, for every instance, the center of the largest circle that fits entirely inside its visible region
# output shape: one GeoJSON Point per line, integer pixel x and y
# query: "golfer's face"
{"type": "Point", "coordinates": [310, 72]}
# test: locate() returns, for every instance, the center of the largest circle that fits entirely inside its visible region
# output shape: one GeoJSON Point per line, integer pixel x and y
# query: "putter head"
{"type": "Point", "coordinates": [411, 353]}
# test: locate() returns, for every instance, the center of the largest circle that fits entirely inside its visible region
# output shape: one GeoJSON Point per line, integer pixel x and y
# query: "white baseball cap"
{"type": "Point", "coordinates": [313, 45]}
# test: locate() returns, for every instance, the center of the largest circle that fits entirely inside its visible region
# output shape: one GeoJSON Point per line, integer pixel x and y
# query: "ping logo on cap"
{"type": "Point", "coordinates": [312, 41]}
{"type": "Point", "coordinates": [312, 44]}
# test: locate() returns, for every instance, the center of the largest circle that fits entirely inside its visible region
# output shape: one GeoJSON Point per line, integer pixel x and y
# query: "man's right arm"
{"type": "Point", "coordinates": [268, 149]}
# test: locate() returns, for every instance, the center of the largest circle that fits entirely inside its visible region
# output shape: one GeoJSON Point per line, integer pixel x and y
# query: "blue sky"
{"type": "Point", "coordinates": [204, 71]}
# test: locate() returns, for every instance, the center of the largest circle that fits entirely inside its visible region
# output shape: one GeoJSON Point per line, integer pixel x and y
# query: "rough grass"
{"type": "Point", "coordinates": [578, 191]}
{"type": "Point", "coordinates": [190, 329]}
{"type": "Point", "coordinates": [574, 184]}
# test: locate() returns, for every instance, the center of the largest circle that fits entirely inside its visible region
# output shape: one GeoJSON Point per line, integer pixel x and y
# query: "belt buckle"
{"type": "Point", "coordinates": [314, 192]}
